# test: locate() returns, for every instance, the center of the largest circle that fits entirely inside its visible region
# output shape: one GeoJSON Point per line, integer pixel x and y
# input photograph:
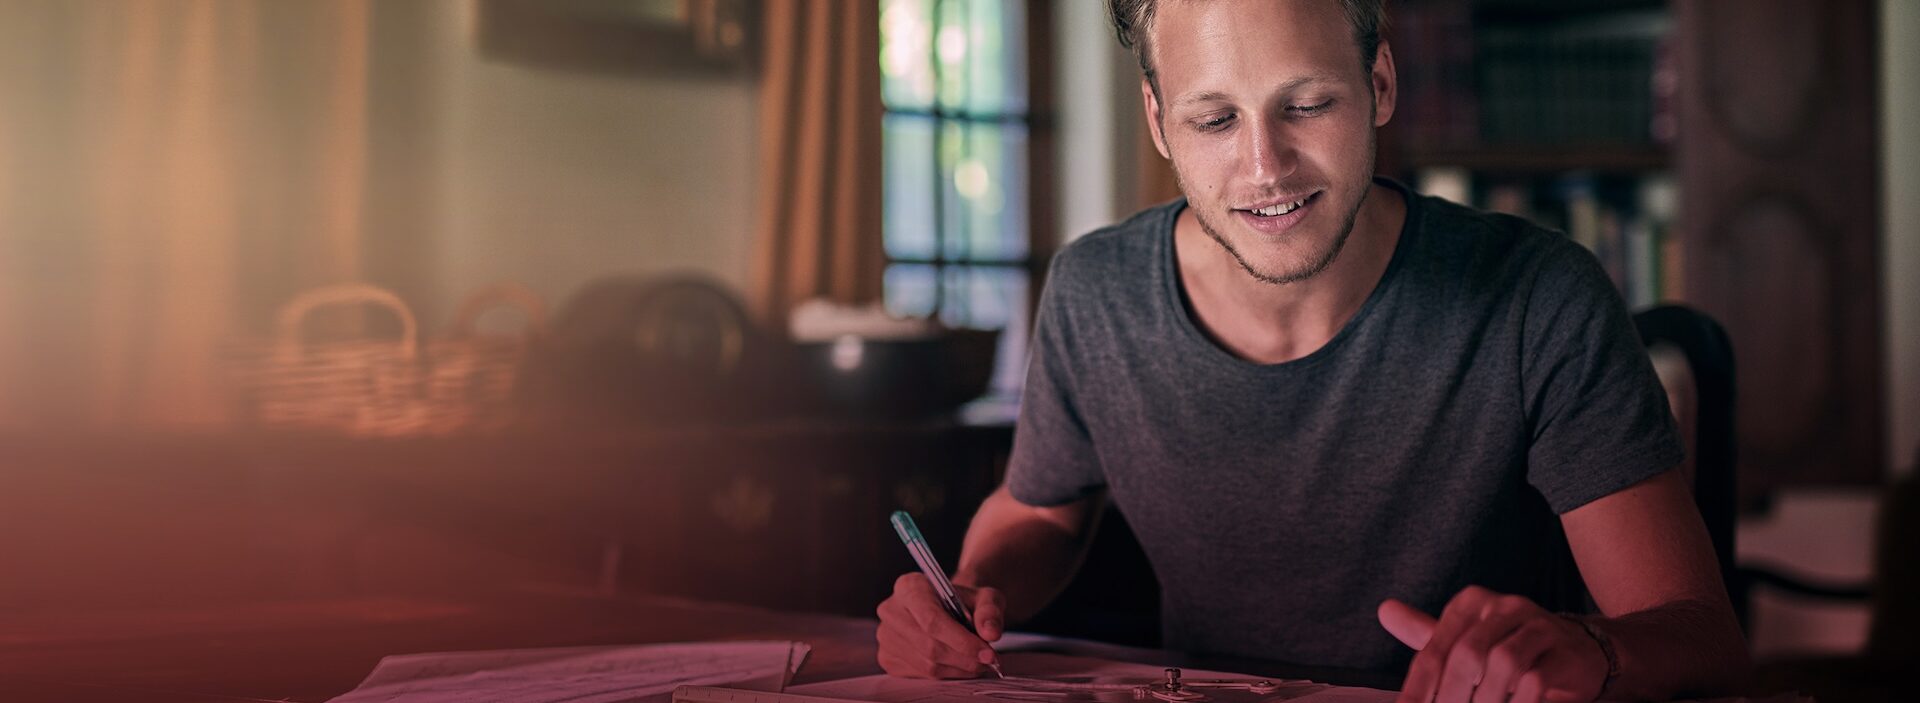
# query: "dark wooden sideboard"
{"type": "Point", "coordinates": [788, 515]}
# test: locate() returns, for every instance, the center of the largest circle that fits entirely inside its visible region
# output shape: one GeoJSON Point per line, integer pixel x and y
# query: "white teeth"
{"type": "Point", "coordinates": [1281, 209]}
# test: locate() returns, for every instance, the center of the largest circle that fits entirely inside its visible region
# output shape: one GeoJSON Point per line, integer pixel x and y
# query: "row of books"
{"type": "Point", "coordinates": [1466, 80]}
{"type": "Point", "coordinates": [1555, 89]}
{"type": "Point", "coordinates": [1631, 236]}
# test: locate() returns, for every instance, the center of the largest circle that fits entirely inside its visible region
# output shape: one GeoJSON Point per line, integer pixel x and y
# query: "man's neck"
{"type": "Point", "coordinates": [1267, 323]}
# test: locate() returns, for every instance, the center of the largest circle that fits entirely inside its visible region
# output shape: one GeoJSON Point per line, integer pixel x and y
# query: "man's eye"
{"type": "Point", "coordinates": [1313, 109]}
{"type": "Point", "coordinates": [1215, 124]}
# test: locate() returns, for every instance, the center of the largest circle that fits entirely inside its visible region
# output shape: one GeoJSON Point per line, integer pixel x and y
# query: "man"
{"type": "Point", "coordinates": [1329, 407]}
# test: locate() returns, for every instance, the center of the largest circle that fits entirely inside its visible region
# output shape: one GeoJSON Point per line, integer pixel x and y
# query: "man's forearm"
{"type": "Point", "coordinates": [1028, 553]}
{"type": "Point", "coordinates": [1679, 649]}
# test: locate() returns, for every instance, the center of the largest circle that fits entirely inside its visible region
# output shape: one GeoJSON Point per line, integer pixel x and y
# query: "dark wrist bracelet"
{"type": "Point", "coordinates": [1606, 650]}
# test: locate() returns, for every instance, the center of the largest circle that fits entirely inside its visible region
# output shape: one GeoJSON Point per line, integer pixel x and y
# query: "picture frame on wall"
{"type": "Point", "coordinates": [630, 37]}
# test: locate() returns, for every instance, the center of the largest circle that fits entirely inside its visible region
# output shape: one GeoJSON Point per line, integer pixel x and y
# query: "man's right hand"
{"type": "Point", "coordinates": [918, 639]}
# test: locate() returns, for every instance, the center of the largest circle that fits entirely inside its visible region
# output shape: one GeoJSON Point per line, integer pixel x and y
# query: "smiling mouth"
{"type": "Point", "coordinates": [1283, 208]}
{"type": "Point", "coordinates": [1279, 209]}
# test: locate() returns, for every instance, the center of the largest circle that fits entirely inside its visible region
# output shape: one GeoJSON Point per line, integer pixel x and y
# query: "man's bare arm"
{"type": "Point", "coordinates": [1028, 553]}
{"type": "Point", "coordinates": [1649, 565]}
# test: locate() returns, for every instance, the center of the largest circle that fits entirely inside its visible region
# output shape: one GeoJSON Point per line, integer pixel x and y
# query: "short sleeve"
{"type": "Point", "coordinates": [1599, 417]}
{"type": "Point", "coordinates": [1053, 460]}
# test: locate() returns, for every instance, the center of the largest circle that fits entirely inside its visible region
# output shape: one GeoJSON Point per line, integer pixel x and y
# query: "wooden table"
{"type": "Point", "coordinates": [313, 650]}
{"type": "Point", "coordinates": [693, 512]}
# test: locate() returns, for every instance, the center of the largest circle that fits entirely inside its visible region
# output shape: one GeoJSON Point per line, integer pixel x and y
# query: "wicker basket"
{"type": "Point", "coordinates": [366, 387]}
{"type": "Point", "coordinates": [471, 377]}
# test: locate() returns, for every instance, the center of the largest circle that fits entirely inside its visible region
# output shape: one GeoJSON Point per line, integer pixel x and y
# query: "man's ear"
{"type": "Point", "coordinates": [1386, 84]}
{"type": "Point", "coordinates": [1152, 105]}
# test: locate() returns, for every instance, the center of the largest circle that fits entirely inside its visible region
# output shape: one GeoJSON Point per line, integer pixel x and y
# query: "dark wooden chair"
{"type": "Point", "coordinates": [1882, 672]}
{"type": "Point", "coordinates": [1700, 389]}
{"type": "Point", "coordinates": [1703, 396]}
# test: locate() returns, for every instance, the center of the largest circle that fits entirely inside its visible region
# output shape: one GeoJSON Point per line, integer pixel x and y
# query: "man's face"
{"type": "Point", "coordinates": [1268, 117]}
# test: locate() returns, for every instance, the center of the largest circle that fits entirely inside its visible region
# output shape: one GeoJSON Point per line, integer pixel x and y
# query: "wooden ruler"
{"type": "Point", "coordinates": [716, 694]}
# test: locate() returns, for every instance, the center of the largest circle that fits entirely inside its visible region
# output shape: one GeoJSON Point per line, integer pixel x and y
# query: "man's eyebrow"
{"type": "Point", "coordinates": [1292, 83]}
{"type": "Point", "coordinates": [1200, 97]}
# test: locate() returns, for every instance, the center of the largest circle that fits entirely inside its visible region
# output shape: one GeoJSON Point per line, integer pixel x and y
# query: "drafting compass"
{"type": "Point", "coordinates": [1174, 690]}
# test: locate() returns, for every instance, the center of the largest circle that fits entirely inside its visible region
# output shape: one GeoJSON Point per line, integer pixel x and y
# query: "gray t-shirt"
{"type": "Point", "coordinates": [1491, 381]}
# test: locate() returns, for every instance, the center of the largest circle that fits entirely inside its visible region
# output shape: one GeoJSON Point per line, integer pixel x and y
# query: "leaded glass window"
{"type": "Point", "coordinates": [956, 134]}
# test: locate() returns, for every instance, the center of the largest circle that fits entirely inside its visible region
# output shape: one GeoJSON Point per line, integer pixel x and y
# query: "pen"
{"type": "Point", "coordinates": [923, 555]}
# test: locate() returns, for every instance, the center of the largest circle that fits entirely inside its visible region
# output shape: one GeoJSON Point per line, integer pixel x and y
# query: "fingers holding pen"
{"type": "Point", "coordinates": [906, 652]}
{"type": "Point", "coordinates": [929, 618]}
{"type": "Point", "coordinates": [919, 638]}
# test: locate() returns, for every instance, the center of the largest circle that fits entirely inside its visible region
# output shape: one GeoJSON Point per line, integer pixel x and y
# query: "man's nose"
{"type": "Point", "coordinates": [1271, 154]}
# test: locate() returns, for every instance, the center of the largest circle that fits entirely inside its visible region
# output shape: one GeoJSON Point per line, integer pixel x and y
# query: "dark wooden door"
{"type": "Point", "coordinates": [1777, 156]}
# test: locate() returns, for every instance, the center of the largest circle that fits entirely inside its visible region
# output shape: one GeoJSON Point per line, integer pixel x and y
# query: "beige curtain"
{"type": "Point", "coordinates": [172, 170]}
{"type": "Point", "coordinates": [819, 191]}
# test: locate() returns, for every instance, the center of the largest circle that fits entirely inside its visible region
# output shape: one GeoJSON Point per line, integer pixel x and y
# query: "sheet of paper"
{"type": "Point", "coordinates": [1036, 677]}
{"type": "Point", "coordinates": [578, 674]}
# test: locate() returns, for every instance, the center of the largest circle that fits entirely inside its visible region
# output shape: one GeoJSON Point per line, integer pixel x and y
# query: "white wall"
{"type": "Point", "coordinates": [1098, 105]}
{"type": "Point", "coordinates": [554, 178]}
{"type": "Point", "coordinates": [1900, 254]}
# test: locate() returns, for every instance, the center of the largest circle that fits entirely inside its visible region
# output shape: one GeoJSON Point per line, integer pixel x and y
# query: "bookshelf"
{"type": "Point", "coordinates": [1558, 112]}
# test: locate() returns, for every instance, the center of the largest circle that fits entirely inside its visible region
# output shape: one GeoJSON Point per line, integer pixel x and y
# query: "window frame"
{"type": "Point", "coordinates": [1042, 239]}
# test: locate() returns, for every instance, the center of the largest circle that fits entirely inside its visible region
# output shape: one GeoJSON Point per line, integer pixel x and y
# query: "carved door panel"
{"type": "Point", "coordinates": [1777, 158]}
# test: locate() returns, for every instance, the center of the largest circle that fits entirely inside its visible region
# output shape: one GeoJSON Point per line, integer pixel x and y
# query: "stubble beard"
{"type": "Point", "coordinates": [1315, 267]}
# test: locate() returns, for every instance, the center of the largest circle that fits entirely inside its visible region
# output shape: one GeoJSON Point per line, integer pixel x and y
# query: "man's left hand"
{"type": "Point", "coordinates": [1490, 647]}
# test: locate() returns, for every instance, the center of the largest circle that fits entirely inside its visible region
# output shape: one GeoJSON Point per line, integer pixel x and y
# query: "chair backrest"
{"type": "Point", "coordinates": [1708, 386]}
